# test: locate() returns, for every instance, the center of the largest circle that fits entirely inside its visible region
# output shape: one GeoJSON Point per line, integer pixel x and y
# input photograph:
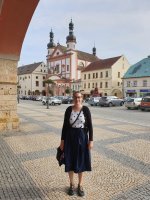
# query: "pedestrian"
{"type": "Point", "coordinates": [77, 141]}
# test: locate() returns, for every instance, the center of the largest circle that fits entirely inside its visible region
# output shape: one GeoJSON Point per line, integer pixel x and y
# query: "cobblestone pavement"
{"type": "Point", "coordinates": [29, 170]}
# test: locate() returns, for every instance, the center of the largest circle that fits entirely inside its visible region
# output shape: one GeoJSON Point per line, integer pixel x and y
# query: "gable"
{"type": "Point", "coordinates": [59, 50]}
{"type": "Point", "coordinates": [57, 53]}
{"type": "Point", "coordinates": [54, 77]}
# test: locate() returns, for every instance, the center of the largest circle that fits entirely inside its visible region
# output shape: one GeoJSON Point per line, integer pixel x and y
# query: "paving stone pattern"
{"type": "Point", "coordinates": [29, 170]}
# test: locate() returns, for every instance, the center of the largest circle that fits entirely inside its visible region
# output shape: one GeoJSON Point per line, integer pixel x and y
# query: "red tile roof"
{"type": "Point", "coordinates": [101, 64]}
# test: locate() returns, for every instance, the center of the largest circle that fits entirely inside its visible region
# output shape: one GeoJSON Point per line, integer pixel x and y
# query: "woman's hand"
{"type": "Point", "coordinates": [62, 145]}
{"type": "Point", "coordinates": [90, 145]}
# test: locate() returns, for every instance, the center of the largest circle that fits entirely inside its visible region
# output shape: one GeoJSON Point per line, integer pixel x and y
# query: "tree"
{"type": "Point", "coordinates": [68, 90]}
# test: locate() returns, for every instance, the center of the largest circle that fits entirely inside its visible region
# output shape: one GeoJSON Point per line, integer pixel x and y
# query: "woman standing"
{"type": "Point", "coordinates": [76, 141]}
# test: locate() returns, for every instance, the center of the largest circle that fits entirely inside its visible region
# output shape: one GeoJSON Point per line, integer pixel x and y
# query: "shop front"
{"type": "Point", "coordinates": [145, 92]}
{"type": "Point", "coordinates": [131, 93]}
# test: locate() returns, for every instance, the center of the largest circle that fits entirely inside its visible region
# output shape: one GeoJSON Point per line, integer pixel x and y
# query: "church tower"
{"type": "Point", "coordinates": [51, 45]}
{"type": "Point", "coordinates": [71, 39]}
{"type": "Point", "coordinates": [94, 50]}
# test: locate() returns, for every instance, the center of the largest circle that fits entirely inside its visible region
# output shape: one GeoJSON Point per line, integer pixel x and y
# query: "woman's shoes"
{"type": "Point", "coordinates": [80, 191]}
{"type": "Point", "coordinates": [71, 190]}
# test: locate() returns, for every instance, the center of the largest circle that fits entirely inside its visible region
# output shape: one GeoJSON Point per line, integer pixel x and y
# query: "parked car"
{"type": "Point", "coordinates": [86, 99]}
{"type": "Point", "coordinates": [94, 101]}
{"type": "Point", "coordinates": [110, 101]}
{"type": "Point", "coordinates": [145, 103]}
{"type": "Point", "coordinates": [38, 98]}
{"type": "Point", "coordinates": [133, 103]}
{"type": "Point", "coordinates": [127, 98]}
{"type": "Point", "coordinates": [54, 101]}
{"type": "Point", "coordinates": [44, 100]}
{"type": "Point", "coordinates": [67, 100]}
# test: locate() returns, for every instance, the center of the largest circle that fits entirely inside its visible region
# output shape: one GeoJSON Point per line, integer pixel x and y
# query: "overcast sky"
{"type": "Point", "coordinates": [117, 27]}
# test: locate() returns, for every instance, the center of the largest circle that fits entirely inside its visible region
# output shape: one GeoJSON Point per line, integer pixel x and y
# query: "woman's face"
{"type": "Point", "coordinates": [77, 98]}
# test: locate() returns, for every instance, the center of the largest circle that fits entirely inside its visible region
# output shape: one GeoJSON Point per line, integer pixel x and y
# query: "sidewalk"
{"type": "Point", "coordinates": [29, 170]}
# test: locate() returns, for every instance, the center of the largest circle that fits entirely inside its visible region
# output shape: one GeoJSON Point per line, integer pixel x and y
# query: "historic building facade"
{"type": "Point", "coordinates": [31, 79]}
{"type": "Point", "coordinates": [136, 81]}
{"type": "Point", "coordinates": [65, 63]}
{"type": "Point", "coordinates": [104, 77]}
{"type": "Point", "coordinates": [13, 27]}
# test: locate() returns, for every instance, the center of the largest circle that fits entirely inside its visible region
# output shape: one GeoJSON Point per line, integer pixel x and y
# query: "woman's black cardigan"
{"type": "Point", "coordinates": [88, 122]}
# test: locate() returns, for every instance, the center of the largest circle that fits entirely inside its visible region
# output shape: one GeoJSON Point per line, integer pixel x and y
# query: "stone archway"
{"type": "Point", "coordinates": [116, 92]}
{"type": "Point", "coordinates": [15, 16]}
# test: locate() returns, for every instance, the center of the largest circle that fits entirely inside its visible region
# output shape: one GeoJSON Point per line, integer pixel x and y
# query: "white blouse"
{"type": "Point", "coordinates": [80, 121]}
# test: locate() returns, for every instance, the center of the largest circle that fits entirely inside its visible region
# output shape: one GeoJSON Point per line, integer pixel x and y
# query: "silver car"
{"type": "Point", "coordinates": [52, 101]}
{"type": "Point", "coordinates": [110, 101]}
{"type": "Point", "coordinates": [133, 103]}
{"type": "Point", "coordinates": [94, 101]}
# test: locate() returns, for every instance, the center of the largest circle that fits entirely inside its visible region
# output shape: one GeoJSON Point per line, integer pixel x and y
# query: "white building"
{"type": "Point", "coordinates": [136, 81]}
{"type": "Point", "coordinates": [31, 77]}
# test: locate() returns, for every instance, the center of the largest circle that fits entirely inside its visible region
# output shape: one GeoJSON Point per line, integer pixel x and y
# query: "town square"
{"type": "Point", "coordinates": [74, 100]}
{"type": "Point", "coordinates": [120, 156]}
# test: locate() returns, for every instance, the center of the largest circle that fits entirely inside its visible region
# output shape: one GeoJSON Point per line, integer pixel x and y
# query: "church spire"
{"type": "Point", "coordinates": [51, 44]}
{"type": "Point", "coordinates": [94, 50]}
{"type": "Point", "coordinates": [71, 39]}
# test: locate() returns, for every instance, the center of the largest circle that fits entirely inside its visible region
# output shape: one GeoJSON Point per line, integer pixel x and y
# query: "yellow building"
{"type": "Point", "coordinates": [104, 77]}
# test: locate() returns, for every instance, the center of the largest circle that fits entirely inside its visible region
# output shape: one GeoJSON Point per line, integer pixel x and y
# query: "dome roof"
{"type": "Point", "coordinates": [51, 45]}
{"type": "Point", "coordinates": [71, 38]}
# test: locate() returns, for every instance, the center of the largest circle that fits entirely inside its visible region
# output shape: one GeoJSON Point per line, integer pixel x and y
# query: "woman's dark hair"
{"type": "Point", "coordinates": [77, 92]}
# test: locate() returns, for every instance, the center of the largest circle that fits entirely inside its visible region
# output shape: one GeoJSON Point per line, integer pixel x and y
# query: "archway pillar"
{"type": "Point", "coordinates": [15, 16]}
{"type": "Point", "coordinates": [8, 94]}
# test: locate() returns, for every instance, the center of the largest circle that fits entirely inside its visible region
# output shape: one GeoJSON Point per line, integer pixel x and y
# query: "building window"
{"type": "Point", "coordinates": [57, 53]}
{"type": "Point", "coordinates": [101, 84]}
{"type": "Point", "coordinates": [96, 75]}
{"type": "Point", "coordinates": [43, 77]}
{"type": "Point", "coordinates": [88, 85]}
{"type": "Point", "coordinates": [128, 83]}
{"type": "Point", "coordinates": [118, 74]}
{"type": "Point", "coordinates": [29, 77]}
{"type": "Point", "coordinates": [20, 78]}
{"type": "Point", "coordinates": [101, 75]}
{"type": "Point", "coordinates": [37, 83]}
{"type": "Point", "coordinates": [118, 83]}
{"type": "Point", "coordinates": [67, 67]}
{"type": "Point", "coordinates": [43, 84]}
{"type": "Point", "coordinates": [41, 70]}
{"type": "Point", "coordinates": [134, 83]}
{"type": "Point", "coordinates": [93, 75]}
{"type": "Point", "coordinates": [93, 85]}
{"type": "Point", "coordinates": [106, 73]}
{"type": "Point", "coordinates": [84, 76]}
{"type": "Point", "coordinates": [88, 76]}
{"type": "Point", "coordinates": [36, 77]}
{"type": "Point", "coordinates": [144, 83]}
{"type": "Point", "coordinates": [96, 85]}
{"type": "Point", "coordinates": [84, 85]}
{"type": "Point", "coordinates": [106, 84]}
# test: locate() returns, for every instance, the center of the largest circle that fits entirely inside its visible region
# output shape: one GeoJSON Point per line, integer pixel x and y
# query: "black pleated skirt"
{"type": "Point", "coordinates": [77, 154]}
